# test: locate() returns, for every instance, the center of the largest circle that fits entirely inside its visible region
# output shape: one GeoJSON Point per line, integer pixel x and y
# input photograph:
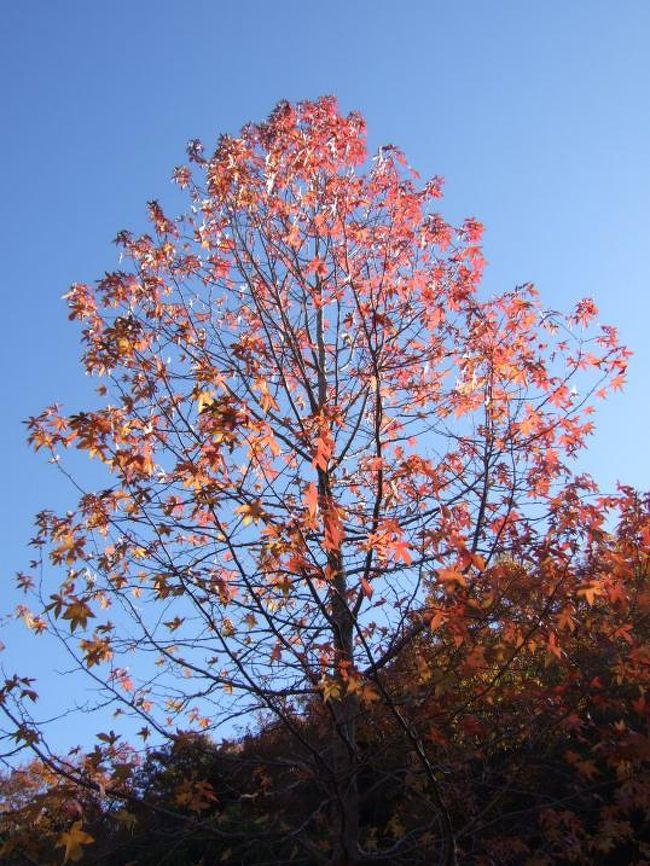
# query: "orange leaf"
{"type": "Point", "coordinates": [450, 575]}
{"type": "Point", "coordinates": [333, 531]}
{"type": "Point", "coordinates": [589, 592]}
{"type": "Point", "coordinates": [324, 448]}
{"type": "Point", "coordinates": [310, 498]}
{"type": "Point", "coordinates": [367, 589]}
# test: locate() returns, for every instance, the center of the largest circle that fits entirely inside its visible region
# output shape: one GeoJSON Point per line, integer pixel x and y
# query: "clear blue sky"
{"type": "Point", "coordinates": [536, 114]}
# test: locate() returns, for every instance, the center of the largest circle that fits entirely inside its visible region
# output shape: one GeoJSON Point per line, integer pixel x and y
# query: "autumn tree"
{"type": "Point", "coordinates": [329, 457]}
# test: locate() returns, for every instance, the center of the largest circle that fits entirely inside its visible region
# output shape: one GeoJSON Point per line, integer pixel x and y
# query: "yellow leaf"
{"type": "Point", "coordinates": [204, 399]}
{"type": "Point", "coordinates": [252, 513]}
{"type": "Point", "coordinates": [73, 840]}
{"type": "Point", "coordinates": [331, 690]}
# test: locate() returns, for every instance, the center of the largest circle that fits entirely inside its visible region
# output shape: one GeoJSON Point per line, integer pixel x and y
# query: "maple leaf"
{"type": "Point", "coordinates": [565, 619]}
{"type": "Point", "coordinates": [203, 400]}
{"type": "Point", "coordinates": [77, 613]}
{"type": "Point", "coordinates": [400, 551]}
{"type": "Point", "coordinates": [353, 685]}
{"type": "Point", "coordinates": [589, 592]}
{"type": "Point", "coordinates": [331, 689]}
{"type": "Point", "coordinates": [195, 795]}
{"type": "Point", "coordinates": [96, 651]}
{"type": "Point", "coordinates": [553, 646]}
{"type": "Point", "coordinates": [318, 266]}
{"type": "Point", "coordinates": [450, 576]}
{"type": "Point", "coordinates": [310, 498]}
{"type": "Point", "coordinates": [73, 841]}
{"type": "Point", "coordinates": [324, 448]}
{"type": "Point", "coordinates": [334, 532]}
{"type": "Point", "coordinates": [251, 512]}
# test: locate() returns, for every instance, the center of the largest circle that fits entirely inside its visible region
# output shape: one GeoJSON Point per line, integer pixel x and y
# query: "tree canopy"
{"type": "Point", "coordinates": [340, 512]}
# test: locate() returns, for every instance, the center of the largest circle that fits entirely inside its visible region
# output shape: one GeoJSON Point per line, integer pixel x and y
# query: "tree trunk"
{"type": "Point", "coordinates": [344, 744]}
{"type": "Point", "coordinates": [346, 817]}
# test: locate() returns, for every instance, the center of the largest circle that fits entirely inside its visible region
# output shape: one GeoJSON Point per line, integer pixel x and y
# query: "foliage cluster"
{"type": "Point", "coordinates": [341, 502]}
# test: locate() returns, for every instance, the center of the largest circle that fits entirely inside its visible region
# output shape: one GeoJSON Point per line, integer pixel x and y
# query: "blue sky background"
{"type": "Point", "coordinates": [535, 113]}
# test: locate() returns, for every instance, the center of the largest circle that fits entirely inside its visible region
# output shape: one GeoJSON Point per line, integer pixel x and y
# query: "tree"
{"type": "Point", "coordinates": [329, 459]}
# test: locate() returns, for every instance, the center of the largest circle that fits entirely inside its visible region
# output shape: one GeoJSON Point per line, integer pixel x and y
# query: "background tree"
{"type": "Point", "coordinates": [330, 459]}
